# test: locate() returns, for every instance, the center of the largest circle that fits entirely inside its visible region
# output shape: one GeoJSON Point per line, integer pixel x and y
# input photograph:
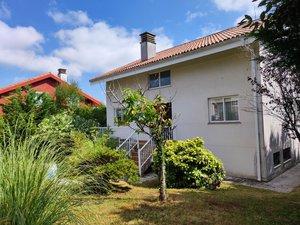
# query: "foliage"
{"type": "Point", "coordinates": [27, 105]}
{"type": "Point", "coordinates": [279, 33]}
{"type": "Point", "coordinates": [57, 127]}
{"type": "Point", "coordinates": [99, 165]}
{"type": "Point", "coordinates": [68, 97]}
{"type": "Point", "coordinates": [190, 165]}
{"type": "Point", "coordinates": [278, 30]}
{"type": "Point", "coordinates": [87, 119]}
{"type": "Point", "coordinates": [32, 190]}
{"type": "Point", "coordinates": [150, 118]}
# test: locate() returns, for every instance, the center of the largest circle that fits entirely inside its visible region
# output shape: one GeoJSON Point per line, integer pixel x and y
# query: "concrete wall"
{"type": "Point", "coordinates": [275, 140]}
{"type": "Point", "coordinates": [192, 84]}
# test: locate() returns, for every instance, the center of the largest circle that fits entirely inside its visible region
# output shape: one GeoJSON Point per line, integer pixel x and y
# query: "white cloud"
{"type": "Point", "coordinates": [4, 11]}
{"type": "Point", "coordinates": [244, 6]}
{"type": "Point", "coordinates": [74, 18]}
{"type": "Point", "coordinates": [101, 47]}
{"type": "Point", "coordinates": [190, 16]}
{"type": "Point", "coordinates": [233, 5]}
{"type": "Point", "coordinates": [21, 47]}
{"type": "Point", "coordinates": [209, 29]}
{"type": "Point", "coordinates": [96, 47]}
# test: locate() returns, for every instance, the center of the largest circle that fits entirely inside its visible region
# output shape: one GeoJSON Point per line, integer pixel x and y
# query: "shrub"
{"type": "Point", "coordinates": [32, 190]}
{"type": "Point", "coordinates": [99, 165]}
{"type": "Point", "coordinates": [190, 164]}
{"type": "Point", "coordinates": [57, 127]}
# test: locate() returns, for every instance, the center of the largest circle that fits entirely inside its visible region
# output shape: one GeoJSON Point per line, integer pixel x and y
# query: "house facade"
{"type": "Point", "coordinates": [44, 83]}
{"type": "Point", "coordinates": [205, 83]}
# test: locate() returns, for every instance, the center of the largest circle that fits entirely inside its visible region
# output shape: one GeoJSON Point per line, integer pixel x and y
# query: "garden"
{"type": "Point", "coordinates": [57, 168]}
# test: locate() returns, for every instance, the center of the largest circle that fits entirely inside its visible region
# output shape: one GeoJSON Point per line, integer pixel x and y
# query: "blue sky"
{"type": "Point", "coordinates": [89, 37]}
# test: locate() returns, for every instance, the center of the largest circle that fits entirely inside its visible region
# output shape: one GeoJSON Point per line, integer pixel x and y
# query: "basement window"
{"type": "Point", "coordinates": [160, 79]}
{"type": "Point", "coordinates": [223, 109]}
{"type": "Point", "coordinates": [276, 159]}
{"type": "Point", "coordinates": [286, 154]}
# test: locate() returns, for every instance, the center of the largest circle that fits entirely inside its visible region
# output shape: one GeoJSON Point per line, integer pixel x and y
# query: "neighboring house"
{"type": "Point", "coordinates": [44, 83]}
{"type": "Point", "coordinates": [206, 84]}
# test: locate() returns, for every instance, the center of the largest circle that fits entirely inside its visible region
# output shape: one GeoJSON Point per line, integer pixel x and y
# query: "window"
{"type": "Point", "coordinates": [119, 116]}
{"type": "Point", "coordinates": [286, 154]}
{"type": "Point", "coordinates": [276, 159]}
{"type": "Point", "coordinates": [160, 79]}
{"type": "Point", "coordinates": [223, 109]}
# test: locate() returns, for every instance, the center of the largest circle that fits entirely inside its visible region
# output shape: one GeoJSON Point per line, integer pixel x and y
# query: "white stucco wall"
{"type": "Point", "coordinates": [192, 84]}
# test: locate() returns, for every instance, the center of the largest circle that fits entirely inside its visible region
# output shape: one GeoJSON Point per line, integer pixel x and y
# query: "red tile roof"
{"type": "Point", "coordinates": [199, 43]}
{"type": "Point", "coordinates": [41, 77]}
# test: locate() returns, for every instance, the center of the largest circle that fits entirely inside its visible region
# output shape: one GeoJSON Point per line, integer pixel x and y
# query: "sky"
{"type": "Point", "coordinates": [89, 37]}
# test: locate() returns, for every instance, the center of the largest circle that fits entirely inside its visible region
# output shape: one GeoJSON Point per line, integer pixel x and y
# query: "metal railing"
{"type": "Point", "coordinates": [145, 156]}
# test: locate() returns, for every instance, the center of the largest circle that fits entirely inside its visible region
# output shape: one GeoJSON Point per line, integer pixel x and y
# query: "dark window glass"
{"type": "Point", "coordinates": [217, 110]}
{"type": "Point", "coordinates": [154, 80]}
{"type": "Point", "coordinates": [286, 154]}
{"type": "Point", "coordinates": [165, 78]}
{"type": "Point", "coordinates": [169, 110]}
{"type": "Point", "coordinates": [119, 116]}
{"type": "Point", "coordinates": [276, 158]}
{"type": "Point", "coordinates": [231, 109]}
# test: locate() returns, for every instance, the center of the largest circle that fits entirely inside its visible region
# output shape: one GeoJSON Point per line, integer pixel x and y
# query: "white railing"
{"type": "Point", "coordinates": [130, 143]}
{"type": "Point", "coordinates": [145, 156]}
{"type": "Point", "coordinates": [103, 129]}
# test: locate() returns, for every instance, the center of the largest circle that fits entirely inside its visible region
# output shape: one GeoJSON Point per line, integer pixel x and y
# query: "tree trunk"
{"type": "Point", "coordinates": [162, 173]}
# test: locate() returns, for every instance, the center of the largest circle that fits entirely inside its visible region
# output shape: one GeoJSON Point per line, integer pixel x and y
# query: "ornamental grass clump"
{"type": "Point", "coordinates": [190, 165]}
{"type": "Point", "coordinates": [34, 184]}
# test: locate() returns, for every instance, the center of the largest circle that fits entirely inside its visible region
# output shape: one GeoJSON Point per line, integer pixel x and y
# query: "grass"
{"type": "Point", "coordinates": [231, 204]}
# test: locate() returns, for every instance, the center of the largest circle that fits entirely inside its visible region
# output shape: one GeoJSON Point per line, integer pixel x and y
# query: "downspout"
{"type": "Point", "coordinates": [258, 111]}
{"type": "Point", "coordinates": [257, 101]}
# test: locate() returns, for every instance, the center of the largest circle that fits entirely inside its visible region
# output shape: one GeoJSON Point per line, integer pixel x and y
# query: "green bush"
{"type": "Point", "coordinates": [190, 165]}
{"type": "Point", "coordinates": [57, 127]}
{"type": "Point", "coordinates": [34, 185]}
{"type": "Point", "coordinates": [98, 165]}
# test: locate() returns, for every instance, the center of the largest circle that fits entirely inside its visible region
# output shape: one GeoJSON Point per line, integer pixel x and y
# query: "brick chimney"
{"type": "Point", "coordinates": [148, 46]}
{"type": "Point", "coordinates": [62, 74]}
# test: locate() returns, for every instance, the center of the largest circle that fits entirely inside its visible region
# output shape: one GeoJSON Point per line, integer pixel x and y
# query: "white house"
{"type": "Point", "coordinates": [206, 84]}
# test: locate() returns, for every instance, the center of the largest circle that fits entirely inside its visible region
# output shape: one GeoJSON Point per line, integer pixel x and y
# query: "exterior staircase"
{"type": "Point", "coordinates": [140, 151]}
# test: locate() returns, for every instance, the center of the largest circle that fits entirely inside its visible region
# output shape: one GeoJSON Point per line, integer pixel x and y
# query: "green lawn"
{"type": "Point", "coordinates": [231, 204]}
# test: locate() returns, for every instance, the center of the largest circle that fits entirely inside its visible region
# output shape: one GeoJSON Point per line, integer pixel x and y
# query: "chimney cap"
{"type": "Point", "coordinates": [62, 71]}
{"type": "Point", "coordinates": [147, 37]}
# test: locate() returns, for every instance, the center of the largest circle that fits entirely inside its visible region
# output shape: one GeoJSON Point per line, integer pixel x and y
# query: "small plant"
{"type": "Point", "coordinates": [190, 165]}
{"type": "Point", "coordinates": [34, 185]}
{"type": "Point", "coordinates": [98, 165]}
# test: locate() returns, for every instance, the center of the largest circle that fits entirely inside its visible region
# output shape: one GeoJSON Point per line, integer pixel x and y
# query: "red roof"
{"type": "Point", "coordinates": [41, 77]}
{"type": "Point", "coordinates": [197, 44]}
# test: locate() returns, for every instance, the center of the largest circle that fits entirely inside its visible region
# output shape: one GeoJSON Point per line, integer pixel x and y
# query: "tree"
{"type": "Point", "coordinates": [68, 97]}
{"type": "Point", "coordinates": [278, 31]}
{"type": "Point", "coordinates": [150, 118]}
{"type": "Point", "coordinates": [25, 107]}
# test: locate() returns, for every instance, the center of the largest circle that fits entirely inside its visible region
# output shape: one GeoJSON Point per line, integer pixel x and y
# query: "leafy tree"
{"type": "Point", "coordinates": [68, 97]}
{"type": "Point", "coordinates": [278, 31]}
{"type": "Point", "coordinates": [150, 118]}
{"type": "Point", "coordinates": [87, 119]}
{"type": "Point", "coordinates": [26, 102]}
{"type": "Point", "coordinates": [25, 109]}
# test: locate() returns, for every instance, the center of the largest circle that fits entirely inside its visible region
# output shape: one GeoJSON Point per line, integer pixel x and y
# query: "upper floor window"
{"type": "Point", "coordinates": [160, 79]}
{"type": "Point", "coordinates": [223, 109]}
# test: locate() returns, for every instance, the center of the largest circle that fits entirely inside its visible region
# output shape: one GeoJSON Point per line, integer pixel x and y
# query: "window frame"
{"type": "Point", "coordinates": [159, 80]}
{"type": "Point", "coordinates": [236, 97]}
